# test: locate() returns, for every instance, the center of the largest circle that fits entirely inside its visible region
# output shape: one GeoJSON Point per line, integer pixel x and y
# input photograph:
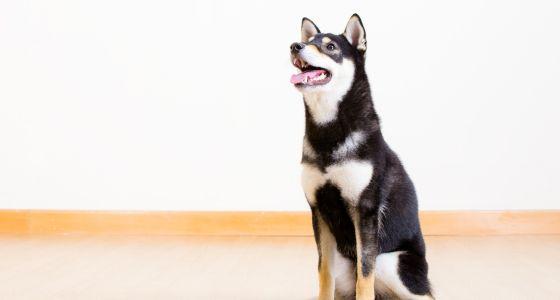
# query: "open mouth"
{"type": "Point", "coordinates": [309, 75]}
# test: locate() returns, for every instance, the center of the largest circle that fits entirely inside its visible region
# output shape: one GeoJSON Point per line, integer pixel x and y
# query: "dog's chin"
{"type": "Point", "coordinates": [311, 78]}
{"type": "Point", "coordinates": [312, 88]}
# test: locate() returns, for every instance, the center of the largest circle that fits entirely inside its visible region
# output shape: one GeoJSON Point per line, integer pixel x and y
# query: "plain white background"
{"type": "Point", "coordinates": [186, 105]}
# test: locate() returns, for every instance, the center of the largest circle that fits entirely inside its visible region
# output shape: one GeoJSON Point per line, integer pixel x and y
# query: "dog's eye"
{"type": "Point", "coordinates": [331, 46]}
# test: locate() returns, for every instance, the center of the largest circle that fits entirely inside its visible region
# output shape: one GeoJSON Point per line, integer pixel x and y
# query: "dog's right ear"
{"type": "Point", "coordinates": [355, 33]}
{"type": "Point", "coordinates": [308, 29]}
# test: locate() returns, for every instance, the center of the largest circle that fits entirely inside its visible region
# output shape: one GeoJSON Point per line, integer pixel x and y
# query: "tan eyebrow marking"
{"type": "Point", "coordinates": [326, 40]}
{"type": "Point", "coordinates": [314, 48]}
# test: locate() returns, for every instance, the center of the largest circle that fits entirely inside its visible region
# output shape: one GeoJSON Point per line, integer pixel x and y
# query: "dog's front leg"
{"type": "Point", "coordinates": [326, 245]}
{"type": "Point", "coordinates": [366, 252]}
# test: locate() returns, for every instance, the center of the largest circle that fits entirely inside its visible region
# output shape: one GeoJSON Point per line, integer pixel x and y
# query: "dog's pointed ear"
{"type": "Point", "coordinates": [308, 29]}
{"type": "Point", "coordinates": [355, 33]}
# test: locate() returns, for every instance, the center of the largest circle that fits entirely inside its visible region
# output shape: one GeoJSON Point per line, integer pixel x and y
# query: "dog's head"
{"type": "Point", "coordinates": [327, 62]}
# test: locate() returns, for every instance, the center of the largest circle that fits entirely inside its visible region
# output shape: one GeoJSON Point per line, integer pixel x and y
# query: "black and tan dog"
{"type": "Point", "coordinates": [364, 207]}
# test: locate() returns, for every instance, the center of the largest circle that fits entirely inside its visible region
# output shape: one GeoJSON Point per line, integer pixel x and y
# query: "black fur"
{"type": "Point", "coordinates": [335, 213]}
{"type": "Point", "coordinates": [390, 187]}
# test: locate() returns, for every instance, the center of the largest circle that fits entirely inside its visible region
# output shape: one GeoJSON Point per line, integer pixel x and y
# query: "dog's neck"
{"type": "Point", "coordinates": [332, 117]}
{"type": "Point", "coordinates": [323, 104]}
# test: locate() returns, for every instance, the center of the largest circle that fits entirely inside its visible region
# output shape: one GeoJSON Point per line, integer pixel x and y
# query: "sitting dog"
{"type": "Point", "coordinates": [363, 204]}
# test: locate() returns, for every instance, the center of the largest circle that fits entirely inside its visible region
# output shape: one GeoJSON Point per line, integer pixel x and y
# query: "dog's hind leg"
{"type": "Point", "coordinates": [402, 275]}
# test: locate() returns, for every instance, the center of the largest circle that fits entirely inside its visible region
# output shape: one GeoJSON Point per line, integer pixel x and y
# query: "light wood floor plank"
{"type": "Point", "coordinates": [137, 267]}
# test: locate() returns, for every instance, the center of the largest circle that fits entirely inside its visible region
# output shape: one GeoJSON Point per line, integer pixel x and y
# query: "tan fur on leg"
{"type": "Point", "coordinates": [326, 276]}
{"type": "Point", "coordinates": [365, 287]}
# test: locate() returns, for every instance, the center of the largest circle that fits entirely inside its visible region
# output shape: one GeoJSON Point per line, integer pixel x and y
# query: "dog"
{"type": "Point", "coordinates": [363, 203]}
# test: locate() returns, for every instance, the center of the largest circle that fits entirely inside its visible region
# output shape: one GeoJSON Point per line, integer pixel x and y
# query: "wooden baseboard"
{"type": "Point", "coordinates": [259, 223]}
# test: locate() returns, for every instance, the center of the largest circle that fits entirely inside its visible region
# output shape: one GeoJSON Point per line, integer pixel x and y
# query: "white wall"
{"type": "Point", "coordinates": [179, 105]}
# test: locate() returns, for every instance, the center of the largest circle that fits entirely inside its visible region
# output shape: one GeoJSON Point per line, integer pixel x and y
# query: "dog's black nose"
{"type": "Point", "coordinates": [296, 47]}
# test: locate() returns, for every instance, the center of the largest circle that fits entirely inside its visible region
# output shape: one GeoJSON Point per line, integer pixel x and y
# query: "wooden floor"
{"type": "Point", "coordinates": [79, 267]}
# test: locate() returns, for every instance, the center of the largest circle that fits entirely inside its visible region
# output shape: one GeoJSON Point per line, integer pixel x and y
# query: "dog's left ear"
{"type": "Point", "coordinates": [355, 33]}
{"type": "Point", "coordinates": [308, 29]}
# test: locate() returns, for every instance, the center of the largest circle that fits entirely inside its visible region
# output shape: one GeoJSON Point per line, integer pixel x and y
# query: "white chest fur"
{"type": "Point", "coordinates": [351, 177]}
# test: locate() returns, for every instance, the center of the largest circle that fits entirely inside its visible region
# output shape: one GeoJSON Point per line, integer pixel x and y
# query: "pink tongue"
{"type": "Point", "coordinates": [299, 78]}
